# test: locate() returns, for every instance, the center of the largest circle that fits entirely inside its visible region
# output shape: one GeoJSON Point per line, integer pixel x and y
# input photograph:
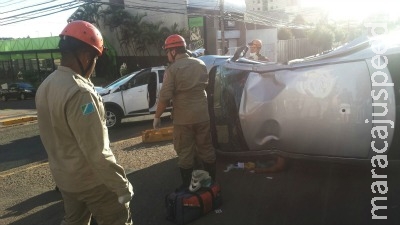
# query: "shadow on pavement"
{"type": "Point", "coordinates": [308, 193]}
{"type": "Point", "coordinates": [21, 152]}
{"type": "Point", "coordinates": [49, 215]}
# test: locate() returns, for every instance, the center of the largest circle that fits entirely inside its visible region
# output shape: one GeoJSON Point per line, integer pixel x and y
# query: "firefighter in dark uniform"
{"type": "Point", "coordinates": [184, 83]}
{"type": "Point", "coordinates": [73, 130]}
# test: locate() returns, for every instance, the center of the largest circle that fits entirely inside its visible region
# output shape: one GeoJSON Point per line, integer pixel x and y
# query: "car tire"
{"type": "Point", "coordinates": [22, 96]}
{"type": "Point", "coordinates": [113, 117]}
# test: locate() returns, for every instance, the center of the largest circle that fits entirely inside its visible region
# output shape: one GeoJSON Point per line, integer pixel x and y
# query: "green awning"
{"type": "Point", "coordinates": [41, 48]}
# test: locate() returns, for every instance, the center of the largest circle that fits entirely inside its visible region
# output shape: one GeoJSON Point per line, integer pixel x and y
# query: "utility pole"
{"type": "Point", "coordinates": [222, 25]}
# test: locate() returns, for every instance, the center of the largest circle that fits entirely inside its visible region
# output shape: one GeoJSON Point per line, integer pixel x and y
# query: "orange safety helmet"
{"type": "Point", "coordinates": [174, 41]}
{"type": "Point", "coordinates": [256, 43]}
{"type": "Point", "coordinates": [85, 32]}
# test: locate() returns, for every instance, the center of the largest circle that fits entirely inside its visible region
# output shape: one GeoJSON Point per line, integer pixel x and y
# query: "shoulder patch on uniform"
{"type": "Point", "coordinates": [87, 108]}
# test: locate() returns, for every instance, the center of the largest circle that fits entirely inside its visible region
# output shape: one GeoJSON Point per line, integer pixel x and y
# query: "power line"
{"type": "Point", "coordinates": [40, 13]}
{"type": "Point", "coordinates": [14, 3]}
{"type": "Point", "coordinates": [253, 17]}
{"type": "Point", "coordinates": [28, 7]}
{"type": "Point", "coordinates": [43, 9]}
{"type": "Point", "coordinates": [5, 2]}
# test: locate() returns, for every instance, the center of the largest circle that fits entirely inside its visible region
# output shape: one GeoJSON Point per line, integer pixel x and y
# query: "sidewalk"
{"type": "Point", "coordinates": [15, 116]}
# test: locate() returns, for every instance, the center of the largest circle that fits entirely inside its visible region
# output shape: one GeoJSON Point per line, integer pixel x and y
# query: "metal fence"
{"type": "Point", "coordinates": [295, 49]}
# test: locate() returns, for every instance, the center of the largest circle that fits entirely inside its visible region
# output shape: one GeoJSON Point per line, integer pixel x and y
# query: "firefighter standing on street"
{"type": "Point", "coordinates": [255, 48]}
{"type": "Point", "coordinates": [185, 82]}
{"type": "Point", "coordinates": [72, 128]}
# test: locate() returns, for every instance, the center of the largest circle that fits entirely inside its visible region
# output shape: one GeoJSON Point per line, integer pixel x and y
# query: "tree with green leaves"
{"type": "Point", "coordinates": [299, 31]}
{"type": "Point", "coordinates": [284, 34]}
{"type": "Point", "coordinates": [135, 36]}
{"type": "Point", "coordinates": [88, 12]}
{"type": "Point", "coordinates": [322, 37]}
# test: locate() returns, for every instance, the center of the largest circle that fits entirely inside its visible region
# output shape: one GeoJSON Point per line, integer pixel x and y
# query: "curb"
{"type": "Point", "coordinates": [17, 120]}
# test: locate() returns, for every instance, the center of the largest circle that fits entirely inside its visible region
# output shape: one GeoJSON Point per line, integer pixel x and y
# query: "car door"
{"type": "Point", "coordinates": [154, 94]}
{"type": "Point", "coordinates": [135, 94]}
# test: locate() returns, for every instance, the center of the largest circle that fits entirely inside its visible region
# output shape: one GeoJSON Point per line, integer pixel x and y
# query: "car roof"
{"type": "Point", "coordinates": [359, 49]}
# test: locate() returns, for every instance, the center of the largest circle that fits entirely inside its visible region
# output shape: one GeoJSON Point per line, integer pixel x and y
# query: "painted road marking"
{"type": "Point", "coordinates": [24, 169]}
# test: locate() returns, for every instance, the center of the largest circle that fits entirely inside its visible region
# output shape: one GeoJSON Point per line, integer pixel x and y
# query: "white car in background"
{"type": "Point", "coordinates": [132, 95]}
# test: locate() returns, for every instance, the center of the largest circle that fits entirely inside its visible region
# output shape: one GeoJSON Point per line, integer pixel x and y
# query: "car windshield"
{"type": "Point", "coordinates": [120, 81]}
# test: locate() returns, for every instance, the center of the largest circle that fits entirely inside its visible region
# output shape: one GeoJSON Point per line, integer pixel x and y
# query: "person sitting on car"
{"type": "Point", "coordinates": [255, 48]}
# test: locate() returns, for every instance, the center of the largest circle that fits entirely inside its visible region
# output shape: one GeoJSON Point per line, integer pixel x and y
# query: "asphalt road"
{"type": "Point", "coordinates": [21, 144]}
{"type": "Point", "coordinates": [17, 104]}
{"type": "Point", "coordinates": [307, 192]}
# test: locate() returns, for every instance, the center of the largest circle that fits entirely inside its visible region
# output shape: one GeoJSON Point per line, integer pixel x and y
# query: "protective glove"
{"type": "Point", "coordinates": [156, 123]}
{"type": "Point", "coordinates": [127, 197]}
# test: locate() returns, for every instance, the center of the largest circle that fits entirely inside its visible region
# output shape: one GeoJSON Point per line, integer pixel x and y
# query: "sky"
{"type": "Point", "coordinates": [355, 9]}
{"type": "Point", "coordinates": [50, 25]}
{"type": "Point", "coordinates": [53, 24]}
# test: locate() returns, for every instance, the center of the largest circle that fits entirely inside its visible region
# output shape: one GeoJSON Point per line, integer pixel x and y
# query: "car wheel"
{"type": "Point", "coordinates": [113, 117]}
{"type": "Point", "coordinates": [22, 96]}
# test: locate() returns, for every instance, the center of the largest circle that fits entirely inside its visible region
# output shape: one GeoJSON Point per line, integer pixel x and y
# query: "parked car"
{"type": "Point", "coordinates": [132, 95]}
{"type": "Point", "coordinates": [339, 105]}
{"type": "Point", "coordinates": [99, 89]}
{"type": "Point", "coordinates": [20, 90]}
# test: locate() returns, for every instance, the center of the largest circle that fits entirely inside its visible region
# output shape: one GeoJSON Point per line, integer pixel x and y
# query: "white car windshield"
{"type": "Point", "coordinates": [120, 81]}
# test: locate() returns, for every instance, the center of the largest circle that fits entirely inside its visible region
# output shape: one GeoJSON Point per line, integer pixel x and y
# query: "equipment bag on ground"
{"type": "Point", "coordinates": [184, 206]}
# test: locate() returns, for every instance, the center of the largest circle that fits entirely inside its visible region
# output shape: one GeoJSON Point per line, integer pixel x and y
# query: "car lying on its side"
{"type": "Point", "coordinates": [338, 105]}
{"type": "Point", "coordinates": [20, 90]}
{"type": "Point", "coordinates": [132, 95]}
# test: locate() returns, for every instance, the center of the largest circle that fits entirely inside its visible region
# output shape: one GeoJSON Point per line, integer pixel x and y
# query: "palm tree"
{"type": "Point", "coordinates": [152, 35]}
{"type": "Point", "coordinates": [88, 12]}
{"type": "Point", "coordinates": [135, 35]}
{"type": "Point", "coordinates": [125, 25]}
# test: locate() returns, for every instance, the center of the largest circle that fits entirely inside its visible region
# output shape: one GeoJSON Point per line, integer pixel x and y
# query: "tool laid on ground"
{"type": "Point", "coordinates": [162, 134]}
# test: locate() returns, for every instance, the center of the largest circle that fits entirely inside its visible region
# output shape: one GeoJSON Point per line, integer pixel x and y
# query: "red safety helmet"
{"type": "Point", "coordinates": [174, 41]}
{"type": "Point", "coordinates": [85, 32]}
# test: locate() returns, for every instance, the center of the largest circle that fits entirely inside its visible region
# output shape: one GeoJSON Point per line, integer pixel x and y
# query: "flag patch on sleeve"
{"type": "Point", "coordinates": [87, 108]}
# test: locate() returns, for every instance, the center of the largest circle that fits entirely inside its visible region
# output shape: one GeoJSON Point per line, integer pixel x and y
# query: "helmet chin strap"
{"type": "Point", "coordinates": [174, 55]}
{"type": "Point", "coordinates": [83, 71]}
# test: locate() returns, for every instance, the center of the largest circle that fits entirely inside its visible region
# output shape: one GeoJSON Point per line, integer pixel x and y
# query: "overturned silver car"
{"type": "Point", "coordinates": [338, 105]}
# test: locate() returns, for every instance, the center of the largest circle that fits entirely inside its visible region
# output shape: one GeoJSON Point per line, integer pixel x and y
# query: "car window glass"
{"type": "Point", "coordinates": [120, 81]}
{"type": "Point", "coordinates": [13, 86]}
{"type": "Point", "coordinates": [25, 85]}
{"type": "Point", "coordinates": [138, 80]}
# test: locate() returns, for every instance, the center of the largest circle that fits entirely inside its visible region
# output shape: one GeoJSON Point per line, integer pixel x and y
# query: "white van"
{"type": "Point", "coordinates": [135, 94]}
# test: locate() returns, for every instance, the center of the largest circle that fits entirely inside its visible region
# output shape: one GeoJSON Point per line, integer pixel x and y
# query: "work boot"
{"type": "Point", "coordinates": [211, 168]}
{"type": "Point", "coordinates": [186, 175]}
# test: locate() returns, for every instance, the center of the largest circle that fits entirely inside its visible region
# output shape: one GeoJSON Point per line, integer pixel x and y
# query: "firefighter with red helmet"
{"type": "Point", "coordinates": [184, 83]}
{"type": "Point", "coordinates": [73, 130]}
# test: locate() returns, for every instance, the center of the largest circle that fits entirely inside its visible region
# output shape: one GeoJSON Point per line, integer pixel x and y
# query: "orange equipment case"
{"type": "Point", "coordinates": [162, 134]}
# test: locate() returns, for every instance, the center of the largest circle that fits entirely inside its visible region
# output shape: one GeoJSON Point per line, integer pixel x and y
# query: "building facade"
{"type": "Point", "coordinates": [202, 18]}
